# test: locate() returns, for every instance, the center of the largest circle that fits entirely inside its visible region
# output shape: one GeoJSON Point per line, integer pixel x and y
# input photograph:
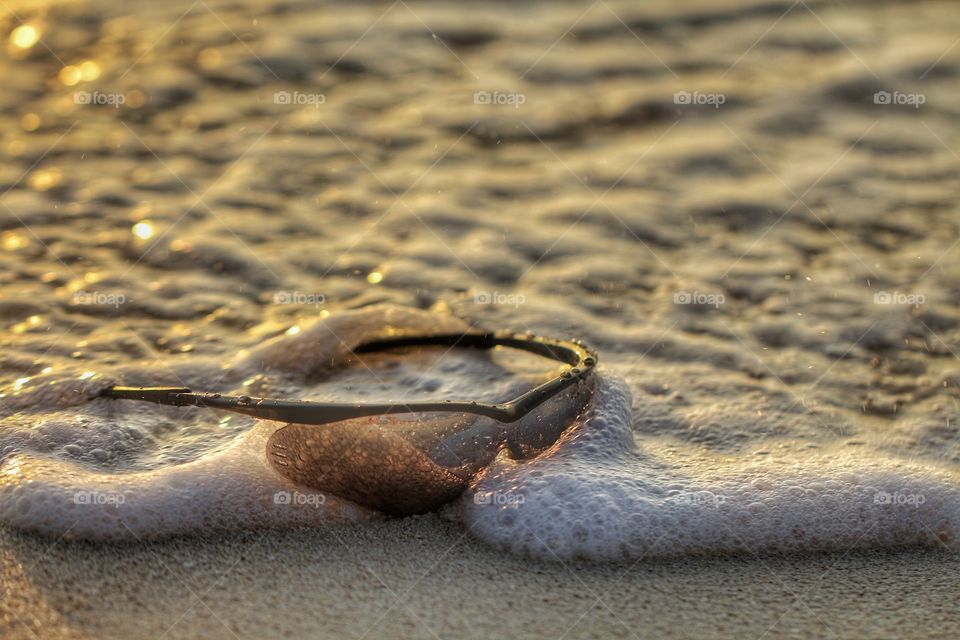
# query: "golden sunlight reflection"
{"type": "Point", "coordinates": [70, 75]}
{"type": "Point", "coordinates": [143, 230]}
{"type": "Point", "coordinates": [24, 37]}
{"type": "Point", "coordinates": [12, 467]}
{"type": "Point", "coordinates": [209, 58]}
{"type": "Point", "coordinates": [26, 325]}
{"type": "Point", "coordinates": [30, 122]}
{"type": "Point", "coordinates": [45, 179]}
{"type": "Point", "coordinates": [13, 240]}
{"type": "Point", "coordinates": [89, 70]}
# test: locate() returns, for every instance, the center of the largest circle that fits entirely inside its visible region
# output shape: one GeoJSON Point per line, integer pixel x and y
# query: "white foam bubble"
{"type": "Point", "coordinates": [597, 495]}
{"type": "Point", "coordinates": [73, 466]}
{"type": "Point", "coordinates": [233, 489]}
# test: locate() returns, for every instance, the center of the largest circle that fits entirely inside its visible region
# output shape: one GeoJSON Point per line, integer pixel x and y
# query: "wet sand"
{"type": "Point", "coordinates": [423, 578]}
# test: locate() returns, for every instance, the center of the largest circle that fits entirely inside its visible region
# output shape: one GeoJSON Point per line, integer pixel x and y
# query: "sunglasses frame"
{"type": "Point", "coordinates": [582, 361]}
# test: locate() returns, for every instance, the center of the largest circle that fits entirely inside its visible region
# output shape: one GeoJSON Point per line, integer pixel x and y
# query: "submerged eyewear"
{"type": "Point", "coordinates": [407, 466]}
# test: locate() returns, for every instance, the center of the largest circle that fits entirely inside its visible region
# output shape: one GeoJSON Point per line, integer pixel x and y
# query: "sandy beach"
{"type": "Point", "coordinates": [749, 209]}
{"type": "Point", "coordinates": [421, 578]}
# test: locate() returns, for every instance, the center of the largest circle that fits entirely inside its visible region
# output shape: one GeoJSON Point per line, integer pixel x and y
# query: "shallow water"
{"type": "Point", "coordinates": [770, 282]}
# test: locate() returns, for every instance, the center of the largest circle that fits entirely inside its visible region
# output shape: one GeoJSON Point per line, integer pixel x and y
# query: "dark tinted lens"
{"type": "Point", "coordinates": [375, 462]}
{"type": "Point", "coordinates": [413, 463]}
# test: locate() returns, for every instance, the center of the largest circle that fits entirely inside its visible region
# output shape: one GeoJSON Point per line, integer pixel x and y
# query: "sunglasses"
{"type": "Point", "coordinates": [417, 463]}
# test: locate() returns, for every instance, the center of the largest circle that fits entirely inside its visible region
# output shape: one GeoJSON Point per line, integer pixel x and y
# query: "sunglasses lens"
{"type": "Point", "coordinates": [400, 465]}
{"type": "Point", "coordinates": [413, 463]}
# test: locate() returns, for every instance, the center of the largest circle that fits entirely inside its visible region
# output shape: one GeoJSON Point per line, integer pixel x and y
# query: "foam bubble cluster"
{"type": "Point", "coordinates": [75, 466]}
{"type": "Point", "coordinates": [234, 489]}
{"type": "Point", "coordinates": [597, 495]}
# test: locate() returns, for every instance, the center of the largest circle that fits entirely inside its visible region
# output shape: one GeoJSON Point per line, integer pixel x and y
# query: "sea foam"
{"type": "Point", "coordinates": [233, 489]}
{"type": "Point", "coordinates": [598, 495]}
{"type": "Point", "coordinates": [76, 466]}
{"type": "Point", "coordinates": [80, 467]}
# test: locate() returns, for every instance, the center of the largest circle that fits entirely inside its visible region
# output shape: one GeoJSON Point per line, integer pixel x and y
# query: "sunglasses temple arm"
{"type": "Point", "coordinates": [291, 410]}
